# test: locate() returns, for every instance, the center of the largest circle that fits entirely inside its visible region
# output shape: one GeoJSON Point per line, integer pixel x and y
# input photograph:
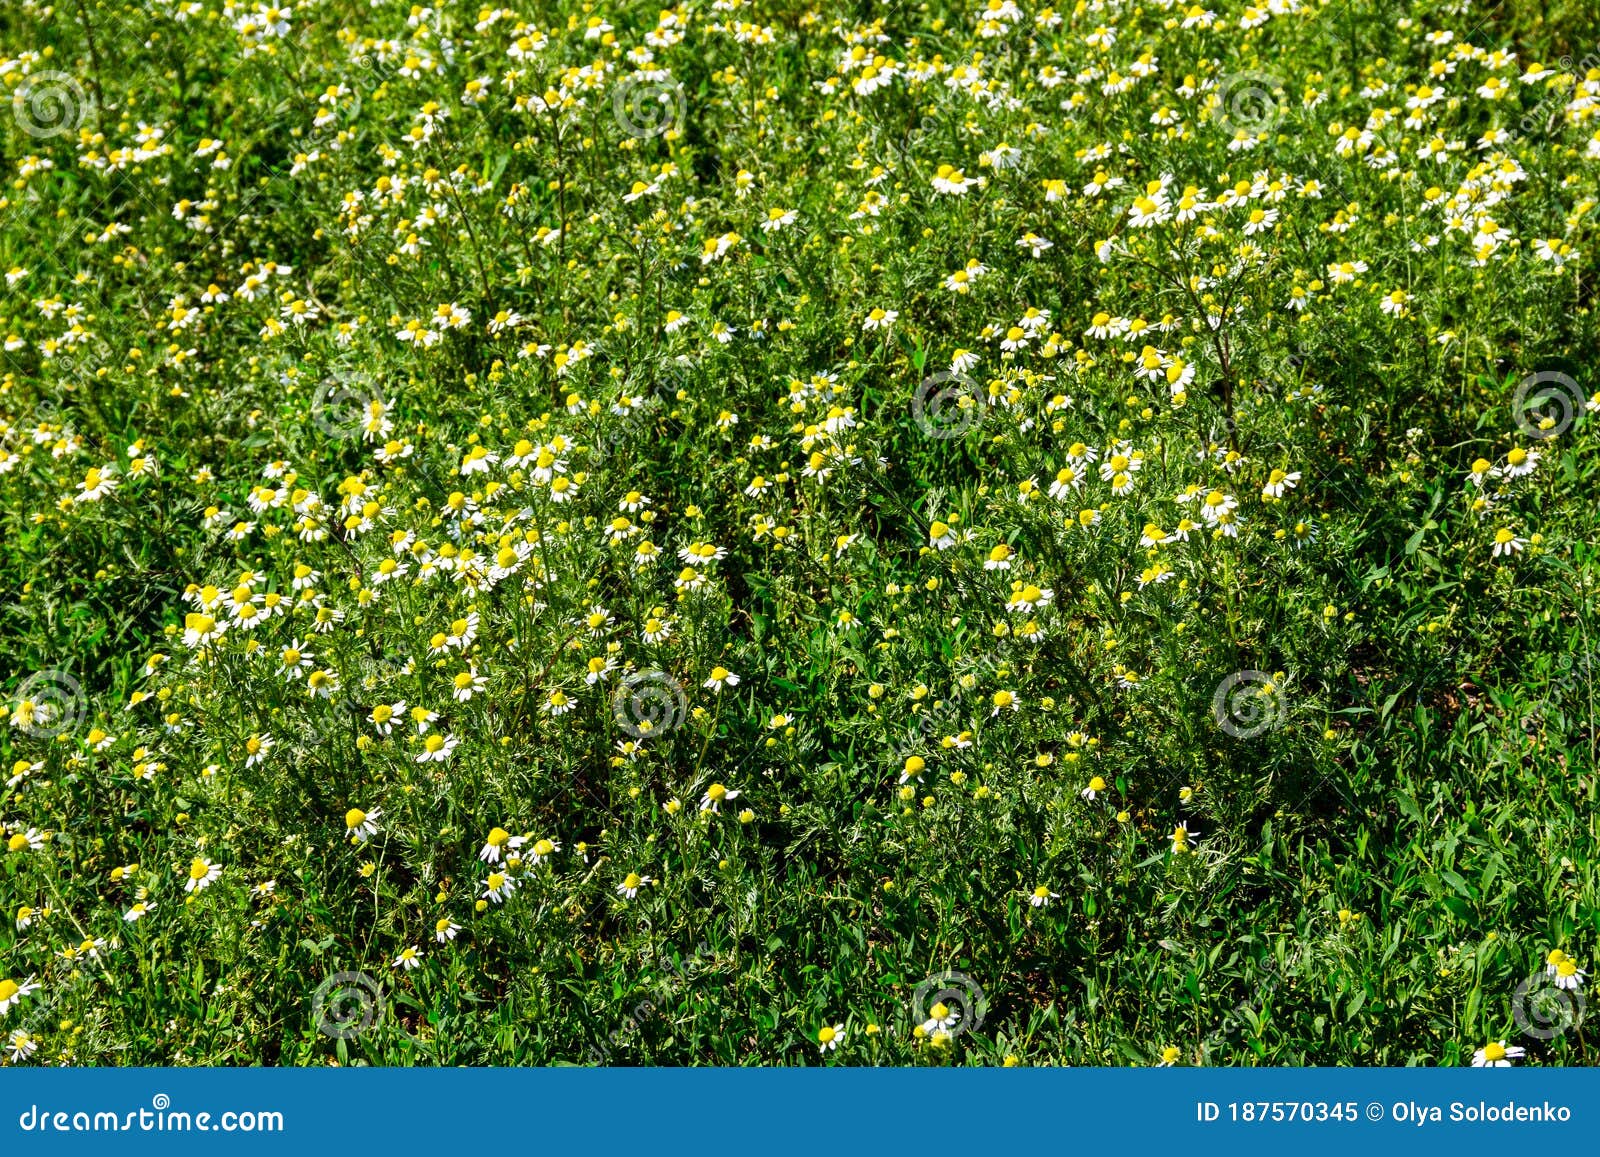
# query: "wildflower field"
{"type": "Point", "coordinates": [766, 533]}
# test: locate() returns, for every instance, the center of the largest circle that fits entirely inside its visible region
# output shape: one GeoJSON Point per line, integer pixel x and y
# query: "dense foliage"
{"type": "Point", "coordinates": [754, 533]}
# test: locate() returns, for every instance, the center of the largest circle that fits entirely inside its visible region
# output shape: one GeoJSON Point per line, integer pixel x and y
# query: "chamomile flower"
{"type": "Point", "coordinates": [498, 886]}
{"type": "Point", "coordinates": [497, 843]}
{"type": "Point", "coordinates": [1519, 463]}
{"type": "Point", "coordinates": [1568, 975]}
{"type": "Point", "coordinates": [1497, 1055]}
{"type": "Point", "coordinates": [201, 875]}
{"type": "Point", "coordinates": [384, 716]}
{"type": "Point", "coordinates": [1506, 543]}
{"type": "Point", "coordinates": [360, 825]}
{"type": "Point", "coordinates": [437, 748]}
{"type": "Point", "coordinates": [631, 883]}
{"type": "Point", "coordinates": [13, 991]}
{"type": "Point", "coordinates": [941, 1019]}
{"type": "Point", "coordinates": [1279, 482]}
{"type": "Point", "coordinates": [715, 796]}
